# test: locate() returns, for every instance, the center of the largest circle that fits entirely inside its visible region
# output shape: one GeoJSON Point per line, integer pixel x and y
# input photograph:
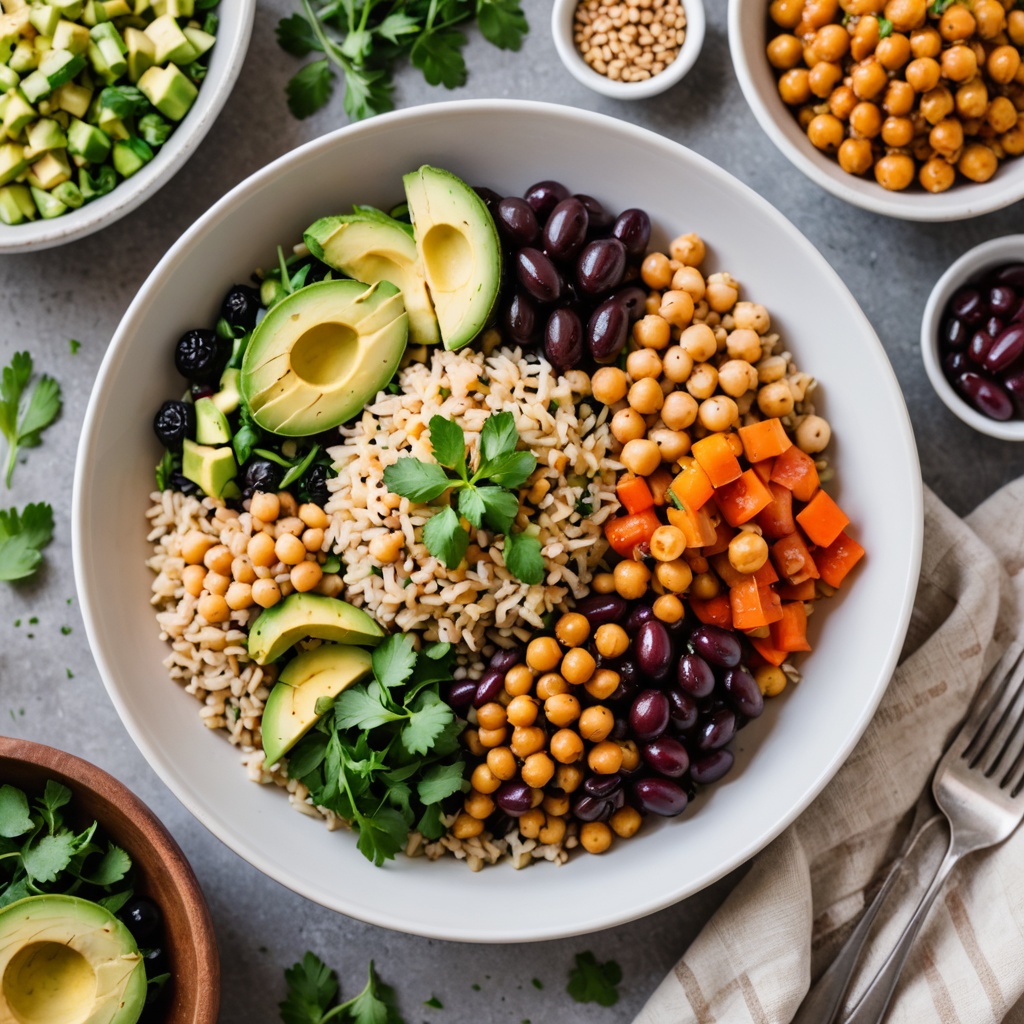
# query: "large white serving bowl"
{"type": "Point", "coordinates": [748, 22]}
{"type": "Point", "coordinates": [226, 58]}
{"type": "Point", "coordinates": [784, 758]}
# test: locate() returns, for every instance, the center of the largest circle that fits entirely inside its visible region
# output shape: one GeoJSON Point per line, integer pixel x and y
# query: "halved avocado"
{"type": "Point", "coordinates": [370, 246]}
{"type": "Point", "coordinates": [316, 358]}
{"type": "Point", "coordinates": [290, 711]}
{"type": "Point", "coordinates": [459, 251]}
{"type": "Point", "coordinates": [300, 616]}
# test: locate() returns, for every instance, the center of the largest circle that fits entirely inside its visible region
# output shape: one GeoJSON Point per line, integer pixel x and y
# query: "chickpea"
{"type": "Point", "coordinates": [698, 341]}
{"type": "Point", "coordinates": [192, 578]}
{"type": "Point", "coordinates": [578, 666]}
{"type": "Point", "coordinates": [483, 780]}
{"type": "Point", "coordinates": [265, 507]}
{"type": "Point", "coordinates": [842, 100]}
{"type": "Point", "coordinates": [641, 456]}
{"type": "Point", "coordinates": [677, 307]}
{"type": "Point", "coordinates": [471, 738]}
{"type": "Point", "coordinates": [602, 684]}
{"type": "Point", "coordinates": [527, 740]}
{"type": "Point", "coordinates": [937, 104]}
{"type": "Point", "coordinates": [823, 78]}
{"type": "Point", "coordinates": [595, 836]}
{"type": "Point", "coordinates": [897, 131]}
{"type": "Point", "coordinates": [643, 362]}
{"type": "Point", "coordinates": [656, 271]}
{"type": "Point", "coordinates": [553, 830]}
{"type": "Point", "coordinates": [748, 551]}
{"type": "Point", "coordinates": [770, 679]}
{"type": "Point", "coordinates": [566, 746]}
{"type": "Point", "coordinates": [855, 156]}
{"type": "Point", "coordinates": [645, 397]}
{"type": "Point", "coordinates": [242, 569]}
{"type": "Point", "coordinates": [743, 344]}
{"type": "Point", "coordinates": [556, 803]}
{"type": "Point", "coordinates": [518, 680]}
{"type": "Point", "coordinates": [266, 593]}
{"type": "Point", "coordinates": [864, 39]}
{"type": "Point", "coordinates": [1001, 114]}
{"type": "Point", "coordinates": [702, 382]}
{"type": "Point", "coordinates": [611, 640]}
{"type": "Point", "coordinates": [466, 827]}
{"type": "Point", "coordinates": [947, 137]}
{"type": "Point", "coordinates": [313, 516]}
{"type": "Point", "coordinates": [537, 770]}
{"type": "Point", "coordinates": [289, 549]}
{"type": "Point", "coordinates": [825, 132]}
{"type": "Point", "coordinates": [1013, 140]}
{"type": "Point", "coordinates": [330, 585]}
{"type": "Point", "coordinates": [893, 51]}
{"type": "Point", "coordinates": [959, 63]}
{"type": "Point", "coordinates": [292, 525]}
{"type": "Point", "coordinates": [562, 709]}
{"type": "Point", "coordinates": [521, 711]}
{"type": "Point", "coordinates": [795, 87]}
{"type": "Point", "coordinates": [543, 653]}
{"type": "Point", "coordinates": [652, 331]}
{"type": "Point", "coordinates": [674, 576]}
{"type": "Point", "coordinates": [631, 579]}
{"type": "Point", "coordinates": [820, 12]}
{"type": "Point", "coordinates": [218, 559]}
{"type": "Point", "coordinates": [492, 737]}
{"type": "Point", "coordinates": [752, 316]}
{"type": "Point", "coordinates": [705, 586]}
{"type": "Point", "coordinates": [603, 583]}
{"type": "Point", "coordinates": [194, 546]}
{"type": "Point", "coordinates": [813, 434]}
{"type": "Point", "coordinates": [866, 120]}
{"type": "Point", "coordinates": [868, 79]}
{"type": "Point", "coordinates": [213, 608]}
{"type": "Point", "coordinates": [894, 171]}
{"type": "Point", "coordinates": [906, 15]}
{"type": "Point", "coordinates": [572, 629]}
{"type": "Point", "coordinates": [605, 758]}
{"type": "Point", "coordinates": [502, 763]}
{"type": "Point", "coordinates": [936, 175]}
{"type": "Point", "coordinates": [1015, 26]}
{"type": "Point", "coordinates": [672, 444]}
{"type": "Point", "coordinates": [978, 162]}
{"type": "Point", "coordinates": [386, 548]}
{"type": "Point", "coordinates": [261, 550]}
{"type": "Point", "coordinates": [718, 413]}
{"type": "Point", "coordinates": [786, 13]}
{"type": "Point", "coordinates": [923, 74]}
{"type": "Point", "coordinates": [679, 410]}
{"type": "Point", "coordinates": [776, 399]}
{"type": "Point", "coordinates": [688, 249]}
{"type": "Point", "coordinates": [1003, 64]}
{"type": "Point", "coordinates": [629, 425]}
{"type": "Point", "coordinates": [677, 364]}
{"type": "Point", "coordinates": [478, 805]}
{"type": "Point", "coordinates": [609, 385]}
{"type": "Point", "coordinates": [956, 23]}
{"type": "Point", "coordinates": [990, 18]}
{"type": "Point", "coordinates": [832, 42]}
{"type": "Point", "coordinates": [668, 608]}
{"type": "Point", "coordinates": [306, 575]}
{"type": "Point", "coordinates": [972, 99]}
{"type": "Point", "coordinates": [689, 280]}
{"type": "Point", "coordinates": [289, 506]}
{"type": "Point", "coordinates": [736, 377]}
{"type": "Point", "coordinates": [899, 99]}
{"type": "Point", "coordinates": [667, 543]}
{"type": "Point", "coordinates": [596, 723]}
{"type": "Point", "coordinates": [722, 291]}
{"type": "Point", "coordinates": [549, 685]}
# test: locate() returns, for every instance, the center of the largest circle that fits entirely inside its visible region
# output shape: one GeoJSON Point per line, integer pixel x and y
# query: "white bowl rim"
{"type": "Point", "coordinates": [962, 201]}
{"type": "Point", "coordinates": [548, 929]}
{"type": "Point", "coordinates": [693, 41]}
{"type": "Point", "coordinates": [131, 193]}
{"type": "Point", "coordinates": [969, 265]}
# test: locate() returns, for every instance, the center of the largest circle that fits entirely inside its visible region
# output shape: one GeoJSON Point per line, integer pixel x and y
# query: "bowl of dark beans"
{"type": "Point", "coordinates": [972, 337]}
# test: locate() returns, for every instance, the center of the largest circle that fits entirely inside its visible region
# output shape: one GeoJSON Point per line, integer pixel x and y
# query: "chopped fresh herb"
{"type": "Point", "coordinates": [34, 621]}
{"type": "Point", "coordinates": [591, 982]}
{"type": "Point", "coordinates": [65, 630]}
{"type": "Point", "coordinates": [884, 28]}
{"type": "Point", "coordinates": [24, 413]}
{"type": "Point", "coordinates": [537, 983]}
{"type": "Point", "coordinates": [673, 500]}
{"type": "Point", "coordinates": [939, 6]}
{"type": "Point", "coordinates": [74, 345]}
{"type": "Point", "coordinates": [71, 675]}
{"type": "Point", "coordinates": [331, 564]}
{"type": "Point", "coordinates": [434, 1002]}
{"type": "Point", "coordinates": [313, 993]}
{"type": "Point", "coordinates": [22, 538]}
{"type": "Point", "coordinates": [523, 557]}
{"type": "Point", "coordinates": [584, 506]}
{"type": "Point", "coordinates": [475, 987]}
{"type": "Point", "coordinates": [164, 469]}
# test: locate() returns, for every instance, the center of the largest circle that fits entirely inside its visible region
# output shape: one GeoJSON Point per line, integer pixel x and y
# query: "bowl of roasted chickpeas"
{"type": "Point", "coordinates": [908, 108]}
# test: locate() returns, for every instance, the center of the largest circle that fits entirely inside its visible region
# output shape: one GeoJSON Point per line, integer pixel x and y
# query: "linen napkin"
{"type": "Point", "coordinates": [786, 919]}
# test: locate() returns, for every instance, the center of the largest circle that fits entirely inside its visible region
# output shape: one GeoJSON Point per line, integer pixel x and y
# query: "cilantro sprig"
{"type": "Point", "coordinates": [25, 412]}
{"type": "Point", "coordinates": [313, 992]}
{"type": "Point", "coordinates": [483, 497]}
{"type": "Point", "coordinates": [365, 39]}
{"type": "Point", "coordinates": [22, 538]}
{"type": "Point", "coordinates": [593, 982]}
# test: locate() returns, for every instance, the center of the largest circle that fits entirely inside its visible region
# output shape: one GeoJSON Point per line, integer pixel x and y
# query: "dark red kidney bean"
{"type": "Point", "coordinates": [695, 676]}
{"type": "Point", "coordinates": [716, 645]}
{"type": "Point", "coordinates": [1012, 274]}
{"type": "Point", "coordinates": [623, 694]}
{"type": "Point", "coordinates": [954, 364]}
{"type": "Point", "coordinates": [502, 660]}
{"type": "Point", "coordinates": [978, 349]}
{"type": "Point", "coordinates": [521, 319]}
{"type": "Point", "coordinates": [607, 330]}
{"type": "Point", "coordinates": [967, 305]}
{"type": "Point", "coordinates": [591, 808]}
{"type": "Point", "coordinates": [955, 333]}
{"type": "Point", "coordinates": [602, 785]}
{"type": "Point", "coordinates": [711, 767]}
{"type": "Point", "coordinates": [600, 266]}
{"type": "Point", "coordinates": [629, 673]}
{"type": "Point", "coordinates": [514, 797]}
{"type": "Point", "coordinates": [640, 614]}
{"type": "Point", "coordinates": [1006, 348]}
{"type": "Point", "coordinates": [995, 326]}
{"type": "Point", "coordinates": [682, 710]}
{"type": "Point", "coordinates": [490, 685]}
{"type": "Point", "coordinates": [1002, 299]}
{"type": "Point", "coordinates": [653, 649]}
{"type": "Point", "coordinates": [461, 693]}
{"type": "Point", "coordinates": [545, 196]}
{"type": "Point", "coordinates": [599, 609]}
{"type": "Point", "coordinates": [660, 796]}
{"type": "Point", "coordinates": [1013, 382]}
{"type": "Point", "coordinates": [648, 717]}
{"type": "Point", "coordinates": [985, 395]}
{"type": "Point", "coordinates": [600, 218]}
{"type": "Point", "coordinates": [563, 339]}
{"type": "Point", "coordinates": [633, 300]}
{"type": "Point", "coordinates": [743, 692]}
{"type": "Point", "coordinates": [620, 730]}
{"type": "Point", "coordinates": [633, 229]}
{"type": "Point", "coordinates": [667, 756]}
{"type": "Point", "coordinates": [488, 195]}
{"type": "Point", "coordinates": [516, 221]}
{"type": "Point", "coordinates": [1018, 316]}
{"type": "Point", "coordinates": [538, 275]}
{"type": "Point", "coordinates": [566, 229]}
{"type": "Point", "coordinates": [716, 730]}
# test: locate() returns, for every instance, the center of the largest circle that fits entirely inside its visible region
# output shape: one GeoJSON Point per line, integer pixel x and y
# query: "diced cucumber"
{"type": "Point", "coordinates": [18, 113]}
{"type": "Point", "coordinates": [130, 156]}
{"type": "Point", "coordinates": [73, 98]}
{"type": "Point", "coordinates": [35, 85]}
{"type": "Point", "coordinates": [16, 204]}
{"type": "Point", "coordinates": [69, 194]}
{"type": "Point", "coordinates": [9, 78]}
{"type": "Point", "coordinates": [175, 8]}
{"type": "Point", "coordinates": [141, 52]}
{"type": "Point", "coordinates": [169, 91]}
{"type": "Point", "coordinates": [70, 36]}
{"type": "Point", "coordinates": [48, 204]}
{"type": "Point", "coordinates": [24, 58]}
{"type": "Point", "coordinates": [44, 18]}
{"type": "Point", "coordinates": [70, 9]}
{"type": "Point", "coordinates": [170, 42]}
{"type": "Point", "coordinates": [88, 141]}
{"type": "Point", "coordinates": [60, 66]}
{"type": "Point", "coordinates": [12, 161]}
{"type": "Point", "coordinates": [201, 41]}
{"type": "Point", "coordinates": [43, 135]}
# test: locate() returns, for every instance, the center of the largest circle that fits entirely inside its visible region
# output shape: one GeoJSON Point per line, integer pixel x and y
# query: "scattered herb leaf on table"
{"type": "Point", "coordinates": [313, 992]}
{"type": "Point", "coordinates": [593, 982]}
{"type": "Point", "coordinates": [24, 412]}
{"type": "Point", "coordinates": [22, 538]}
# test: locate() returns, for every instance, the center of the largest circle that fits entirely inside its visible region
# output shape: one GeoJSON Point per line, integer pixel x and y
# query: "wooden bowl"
{"type": "Point", "coordinates": [161, 871]}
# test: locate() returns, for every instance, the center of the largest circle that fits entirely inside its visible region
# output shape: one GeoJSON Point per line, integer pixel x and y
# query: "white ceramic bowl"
{"type": "Point", "coordinates": [562, 17]}
{"type": "Point", "coordinates": [226, 57]}
{"type": "Point", "coordinates": [748, 21]}
{"type": "Point", "coordinates": [784, 758]}
{"type": "Point", "coordinates": [973, 263]}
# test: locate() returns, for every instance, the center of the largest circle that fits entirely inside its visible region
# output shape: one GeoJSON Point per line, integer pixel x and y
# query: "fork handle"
{"type": "Point", "coordinates": [872, 1006]}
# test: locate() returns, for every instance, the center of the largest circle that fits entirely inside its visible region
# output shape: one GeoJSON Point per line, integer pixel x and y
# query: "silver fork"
{"type": "Point", "coordinates": [979, 786]}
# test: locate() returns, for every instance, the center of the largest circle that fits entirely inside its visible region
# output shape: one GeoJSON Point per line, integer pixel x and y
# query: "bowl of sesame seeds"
{"type": "Point", "coordinates": [628, 49]}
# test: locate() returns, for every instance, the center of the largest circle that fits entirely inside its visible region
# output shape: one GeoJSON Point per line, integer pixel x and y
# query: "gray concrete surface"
{"type": "Point", "coordinates": [49, 687]}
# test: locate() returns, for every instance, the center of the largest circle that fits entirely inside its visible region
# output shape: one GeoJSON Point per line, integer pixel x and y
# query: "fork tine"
{"type": "Point", "coordinates": [1002, 748]}
{"type": "Point", "coordinates": [987, 714]}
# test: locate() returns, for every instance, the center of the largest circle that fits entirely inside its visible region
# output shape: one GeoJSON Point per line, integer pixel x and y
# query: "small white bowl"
{"type": "Point", "coordinates": [562, 17]}
{"type": "Point", "coordinates": [973, 263]}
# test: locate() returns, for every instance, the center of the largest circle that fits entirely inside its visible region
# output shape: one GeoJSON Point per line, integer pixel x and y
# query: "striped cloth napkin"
{"type": "Point", "coordinates": [783, 924]}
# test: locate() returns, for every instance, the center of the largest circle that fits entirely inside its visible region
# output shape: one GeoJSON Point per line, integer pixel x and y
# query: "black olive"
{"type": "Point", "coordinates": [202, 355]}
{"type": "Point", "coordinates": [240, 306]}
{"type": "Point", "coordinates": [174, 421]}
{"type": "Point", "coordinates": [315, 484]}
{"type": "Point", "coordinates": [317, 271]}
{"type": "Point", "coordinates": [178, 482]}
{"type": "Point", "coordinates": [260, 475]}
{"type": "Point", "coordinates": [144, 920]}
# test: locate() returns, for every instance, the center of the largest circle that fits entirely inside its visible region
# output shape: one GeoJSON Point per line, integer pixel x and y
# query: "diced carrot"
{"type": "Point", "coordinates": [764, 439]}
{"type": "Point", "coordinates": [626, 533]}
{"type": "Point", "coordinates": [795, 469]}
{"type": "Point", "coordinates": [723, 534]}
{"type": "Point", "coordinates": [822, 519]}
{"type": "Point", "coordinates": [715, 456]}
{"type": "Point", "coordinates": [715, 611]}
{"type": "Point", "coordinates": [634, 494]}
{"type": "Point", "coordinates": [753, 606]}
{"type": "Point", "coordinates": [769, 653]}
{"type": "Point", "coordinates": [763, 469]}
{"type": "Point", "coordinates": [789, 633]}
{"type": "Point", "coordinates": [835, 561]}
{"type": "Point", "coordinates": [776, 518]}
{"type": "Point", "coordinates": [691, 487]}
{"type": "Point", "coordinates": [803, 591]}
{"type": "Point", "coordinates": [659, 482]}
{"type": "Point", "coordinates": [792, 558]}
{"type": "Point", "coordinates": [727, 573]}
{"type": "Point", "coordinates": [742, 499]}
{"type": "Point", "coordinates": [696, 525]}
{"type": "Point", "coordinates": [766, 575]}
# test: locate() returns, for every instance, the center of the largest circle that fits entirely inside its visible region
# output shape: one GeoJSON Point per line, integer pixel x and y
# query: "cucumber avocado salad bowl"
{"type": "Point", "coordinates": [102, 102]}
{"type": "Point", "coordinates": [495, 512]}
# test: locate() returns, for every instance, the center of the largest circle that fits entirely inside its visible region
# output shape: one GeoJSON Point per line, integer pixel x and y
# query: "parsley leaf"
{"type": "Point", "coordinates": [591, 982]}
{"type": "Point", "coordinates": [884, 28]}
{"type": "Point", "coordinates": [358, 708]}
{"type": "Point", "coordinates": [500, 508]}
{"type": "Point", "coordinates": [48, 857]}
{"type": "Point", "coordinates": [449, 444]}
{"type": "Point", "coordinates": [445, 538]}
{"type": "Point", "coordinates": [312, 988]}
{"type": "Point", "coordinates": [440, 782]}
{"type": "Point", "coordinates": [523, 557]}
{"type": "Point", "coordinates": [509, 469]}
{"type": "Point", "coordinates": [22, 538]}
{"type": "Point", "coordinates": [24, 415]}
{"type": "Point", "coordinates": [382, 835]}
{"type": "Point", "coordinates": [498, 436]}
{"type": "Point", "coordinates": [438, 54]}
{"type": "Point", "coordinates": [426, 723]}
{"type": "Point", "coordinates": [294, 36]}
{"type": "Point", "coordinates": [471, 505]}
{"type": "Point", "coordinates": [310, 88]}
{"type": "Point", "coordinates": [394, 660]}
{"type": "Point", "coordinates": [415, 480]}
{"type": "Point", "coordinates": [502, 23]}
{"type": "Point", "coordinates": [14, 817]}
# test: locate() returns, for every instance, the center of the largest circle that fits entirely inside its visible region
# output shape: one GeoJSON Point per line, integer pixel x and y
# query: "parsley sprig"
{"type": "Point", "coordinates": [365, 39]}
{"type": "Point", "coordinates": [313, 992]}
{"type": "Point", "coordinates": [484, 497]}
{"type": "Point", "coordinates": [24, 412]}
{"type": "Point", "coordinates": [22, 538]}
{"type": "Point", "coordinates": [593, 982]}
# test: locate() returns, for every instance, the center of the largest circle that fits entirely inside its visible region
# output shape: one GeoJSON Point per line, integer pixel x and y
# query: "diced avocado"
{"type": "Point", "coordinates": [73, 98]}
{"type": "Point", "coordinates": [175, 8]}
{"type": "Point", "coordinates": [47, 204]}
{"type": "Point", "coordinates": [116, 8]}
{"type": "Point", "coordinates": [370, 246]}
{"type": "Point", "coordinates": [141, 52]}
{"type": "Point", "coordinates": [35, 85]}
{"type": "Point", "coordinates": [44, 18]}
{"type": "Point", "coordinates": [16, 204]}
{"type": "Point", "coordinates": [211, 424]}
{"type": "Point", "coordinates": [201, 41]}
{"type": "Point", "coordinates": [94, 13]}
{"type": "Point", "coordinates": [300, 616]}
{"type": "Point", "coordinates": [69, 194]}
{"type": "Point", "coordinates": [60, 66]}
{"type": "Point", "coordinates": [43, 135]}
{"type": "Point", "coordinates": [169, 42]}
{"type": "Point", "coordinates": [290, 711]}
{"type": "Point", "coordinates": [319, 354]}
{"type": "Point", "coordinates": [24, 57]}
{"type": "Point", "coordinates": [228, 398]}
{"type": "Point", "coordinates": [18, 114]}
{"type": "Point", "coordinates": [12, 27]}
{"type": "Point", "coordinates": [12, 161]}
{"type": "Point", "coordinates": [87, 141]}
{"type": "Point", "coordinates": [49, 170]}
{"type": "Point", "coordinates": [168, 90]}
{"type": "Point", "coordinates": [9, 79]}
{"type": "Point", "coordinates": [459, 250]}
{"type": "Point", "coordinates": [211, 468]}
{"type": "Point", "coordinates": [130, 156]}
{"type": "Point", "coordinates": [70, 9]}
{"type": "Point", "coordinates": [106, 120]}
{"type": "Point", "coordinates": [71, 36]}
{"type": "Point", "coordinates": [107, 52]}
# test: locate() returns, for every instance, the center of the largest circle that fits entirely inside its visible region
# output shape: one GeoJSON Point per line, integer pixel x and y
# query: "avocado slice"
{"type": "Point", "coordinates": [370, 246]}
{"type": "Point", "coordinates": [212, 468]}
{"type": "Point", "coordinates": [63, 958]}
{"type": "Point", "coordinates": [300, 616]}
{"type": "Point", "coordinates": [319, 354]}
{"type": "Point", "coordinates": [290, 711]}
{"type": "Point", "coordinates": [211, 423]}
{"type": "Point", "coordinates": [459, 250]}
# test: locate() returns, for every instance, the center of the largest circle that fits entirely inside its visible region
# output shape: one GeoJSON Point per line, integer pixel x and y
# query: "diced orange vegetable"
{"type": "Point", "coordinates": [727, 573]}
{"type": "Point", "coordinates": [766, 575]}
{"type": "Point", "coordinates": [659, 482]}
{"type": "Point", "coordinates": [795, 469]}
{"type": "Point", "coordinates": [776, 518]}
{"type": "Point", "coordinates": [822, 519]}
{"type": "Point", "coordinates": [626, 533]}
{"type": "Point", "coordinates": [764, 439]}
{"type": "Point", "coordinates": [763, 469]}
{"type": "Point", "coordinates": [789, 633]}
{"type": "Point", "coordinates": [723, 534]}
{"type": "Point", "coordinates": [835, 561]}
{"type": "Point", "coordinates": [769, 653]}
{"type": "Point", "coordinates": [696, 525]}
{"type": "Point", "coordinates": [715, 611]}
{"type": "Point", "coordinates": [634, 494]}
{"type": "Point", "coordinates": [742, 499]}
{"type": "Point", "coordinates": [792, 558]}
{"type": "Point", "coordinates": [803, 591]}
{"type": "Point", "coordinates": [715, 456]}
{"type": "Point", "coordinates": [753, 606]}
{"type": "Point", "coordinates": [691, 486]}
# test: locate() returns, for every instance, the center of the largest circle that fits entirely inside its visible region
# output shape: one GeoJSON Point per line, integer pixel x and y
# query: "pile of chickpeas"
{"type": "Point", "coordinates": [908, 89]}
{"type": "Point", "coordinates": [260, 557]}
